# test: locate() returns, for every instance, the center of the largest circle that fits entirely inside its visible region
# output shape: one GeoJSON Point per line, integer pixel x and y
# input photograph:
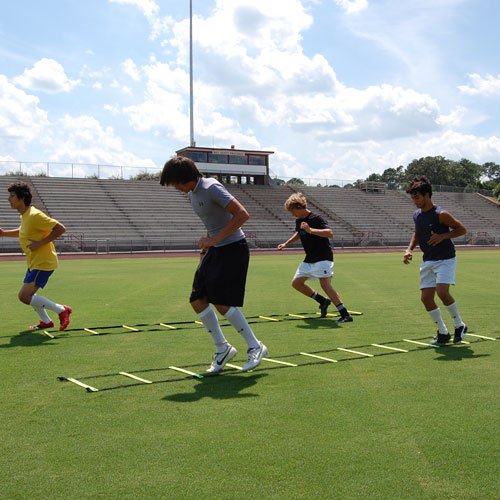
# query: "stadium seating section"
{"type": "Point", "coordinates": [104, 215]}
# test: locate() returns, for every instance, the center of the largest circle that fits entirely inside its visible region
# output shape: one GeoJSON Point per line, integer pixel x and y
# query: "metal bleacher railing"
{"type": "Point", "coordinates": [117, 215]}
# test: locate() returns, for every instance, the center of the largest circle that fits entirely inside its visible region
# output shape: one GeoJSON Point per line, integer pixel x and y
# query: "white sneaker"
{"type": "Point", "coordinates": [221, 358]}
{"type": "Point", "coordinates": [255, 356]}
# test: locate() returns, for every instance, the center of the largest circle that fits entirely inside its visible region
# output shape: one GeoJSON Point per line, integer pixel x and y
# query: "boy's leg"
{"type": "Point", "coordinates": [326, 285]}
{"type": "Point", "coordinates": [443, 291]}
{"type": "Point", "coordinates": [34, 280]}
{"type": "Point", "coordinates": [427, 297]}
{"type": "Point", "coordinates": [240, 324]}
{"type": "Point", "coordinates": [40, 301]}
{"type": "Point", "coordinates": [37, 301]}
{"type": "Point", "coordinates": [224, 351]}
{"type": "Point", "coordinates": [210, 322]}
{"type": "Point", "coordinates": [299, 283]}
{"type": "Point", "coordinates": [26, 294]}
{"type": "Point", "coordinates": [256, 349]}
{"type": "Point", "coordinates": [428, 280]}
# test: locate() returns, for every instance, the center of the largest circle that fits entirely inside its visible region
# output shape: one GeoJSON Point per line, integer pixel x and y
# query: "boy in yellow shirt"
{"type": "Point", "coordinates": [36, 234]}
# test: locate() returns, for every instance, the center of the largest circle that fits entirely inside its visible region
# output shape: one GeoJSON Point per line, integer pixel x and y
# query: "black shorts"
{"type": "Point", "coordinates": [222, 274]}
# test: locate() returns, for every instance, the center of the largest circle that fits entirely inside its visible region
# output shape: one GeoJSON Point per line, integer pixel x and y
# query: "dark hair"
{"type": "Point", "coordinates": [420, 185]}
{"type": "Point", "coordinates": [22, 191]}
{"type": "Point", "coordinates": [179, 170]}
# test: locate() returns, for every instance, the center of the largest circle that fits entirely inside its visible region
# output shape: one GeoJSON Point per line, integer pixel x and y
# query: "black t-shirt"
{"type": "Point", "coordinates": [317, 248]}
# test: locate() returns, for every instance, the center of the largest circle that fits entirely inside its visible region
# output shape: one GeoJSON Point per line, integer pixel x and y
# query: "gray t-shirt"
{"type": "Point", "coordinates": [209, 199]}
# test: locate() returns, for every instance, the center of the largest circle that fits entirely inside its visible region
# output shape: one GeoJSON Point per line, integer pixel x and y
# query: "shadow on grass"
{"type": "Point", "coordinates": [225, 387]}
{"type": "Point", "coordinates": [457, 353]}
{"type": "Point", "coordinates": [26, 338]}
{"type": "Point", "coordinates": [318, 323]}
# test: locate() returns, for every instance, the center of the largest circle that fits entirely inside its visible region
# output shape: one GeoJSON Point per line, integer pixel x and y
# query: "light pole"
{"type": "Point", "coordinates": [191, 121]}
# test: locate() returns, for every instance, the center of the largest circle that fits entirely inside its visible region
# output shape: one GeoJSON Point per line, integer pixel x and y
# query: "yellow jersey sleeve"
{"type": "Point", "coordinates": [35, 225]}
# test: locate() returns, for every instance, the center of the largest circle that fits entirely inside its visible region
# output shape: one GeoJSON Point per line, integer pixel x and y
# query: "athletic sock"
{"type": "Point", "coordinates": [38, 301]}
{"type": "Point", "coordinates": [40, 310]}
{"type": "Point", "coordinates": [211, 323]}
{"type": "Point", "coordinates": [239, 322]}
{"type": "Point", "coordinates": [438, 319]}
{"type": "Point", "coordinates": [453, 310]}
{"type": "Point", "coordinates": [342, 310]}
{"type": "Point", "coordinates": [318, 298]}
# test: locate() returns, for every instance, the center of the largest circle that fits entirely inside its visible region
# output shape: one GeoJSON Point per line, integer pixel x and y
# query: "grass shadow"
{"type": "Point", "coordinates": [26, 338]}
{"type": "Point", "coordinates": [219, 387]}
{"type": "Point", "coordinates": [457, 353]}
{"type": "Point", "coordinates": [318, 324]}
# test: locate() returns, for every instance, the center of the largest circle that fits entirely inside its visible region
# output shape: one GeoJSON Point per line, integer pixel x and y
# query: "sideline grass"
{"type": "Point", "coordinates": [415, 425]}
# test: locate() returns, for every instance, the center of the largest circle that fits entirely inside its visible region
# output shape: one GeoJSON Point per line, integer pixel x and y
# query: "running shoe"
{"type": "Point", "coordinates": [41, 325]}
{"type": "Point", "coordinates": [345, 319]}
{"type": "Point", "coordinates": [221, 358]}
{"type": "Point", "coordinates": [324, 307]}
{"type": "Point", "coordinates": [255, 356]}
{"type": "Point", "coordinates": [64, 318]}
{"type": "Point", "coordinates": [441, 339]}
{"type": "Point", "coordinates": [459, 334]}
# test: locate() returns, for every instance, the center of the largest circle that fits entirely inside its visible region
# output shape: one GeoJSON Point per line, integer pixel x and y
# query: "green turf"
{"type": "Point", "coordinates": [422, 424]}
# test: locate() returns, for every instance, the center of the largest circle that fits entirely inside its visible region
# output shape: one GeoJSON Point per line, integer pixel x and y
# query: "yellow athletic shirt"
{"type": "Point", "coordinates": [35, 225]}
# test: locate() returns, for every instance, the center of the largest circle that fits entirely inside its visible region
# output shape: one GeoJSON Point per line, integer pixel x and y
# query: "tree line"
{"type": "Point", "coordinates": [441, 171]}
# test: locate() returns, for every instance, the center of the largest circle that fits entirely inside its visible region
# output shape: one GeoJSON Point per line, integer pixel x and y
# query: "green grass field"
{"type": "Point", "coordinates": [421, 424]}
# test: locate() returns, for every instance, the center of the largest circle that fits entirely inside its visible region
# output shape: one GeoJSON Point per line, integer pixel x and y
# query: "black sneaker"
{"type": "Point", "coordinates": [459, 334]}
{"type": "Point", "coordinates": [441, 338]}
{"type": "Point", "coordinates": [345, 319]}
{"type": "Point", "coordinates": [324, 307]}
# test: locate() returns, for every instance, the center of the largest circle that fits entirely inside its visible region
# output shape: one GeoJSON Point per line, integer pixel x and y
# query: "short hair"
{"type": "Point", "coordinates": [296, 200]}
{"type": "Point", "coordinates": [22, 191]}
{"type": "Point", "coordinates": [179, 170]}
{"type": "Point", "coordinates": [420, 185]}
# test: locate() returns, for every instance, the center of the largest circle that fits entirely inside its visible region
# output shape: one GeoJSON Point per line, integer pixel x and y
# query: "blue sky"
{"type": "Point", "coordinates": [338, 89]}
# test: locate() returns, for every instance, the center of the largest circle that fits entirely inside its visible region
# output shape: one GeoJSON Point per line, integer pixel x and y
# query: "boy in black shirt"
{"type": "Point", "coordinates": [314, 234]}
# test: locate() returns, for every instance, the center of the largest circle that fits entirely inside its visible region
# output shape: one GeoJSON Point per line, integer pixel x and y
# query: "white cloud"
{"type": "Point", "coordinates": [86, 72]}
{"type": "Point", "coordinates": [253, 25]}
{"type": "Point", "coordinates": [385, 112]}
{"type": "Point", "coordinates": [352, 6]}
{"type": "Point", "coordinates": [148, 7]}
{"type": "Point", "coordinates": [130, 68]}
{"type": "Point", "coordinates": [268, 81]}
{"type": "Point", "coordinates": [164, 105]}
{"type": "Point", "coordinates": [112, 109]}
{"type": "Point", "coordinates": [377, 112]}
{"type": "Point", "coordinates": [479, 85]}
{"type": "Point", "coordinates": [115, 84]}
{"type": "Point", "coordinates": [454, 118]}
{"type": "Point", "coordinates": [21, 118]}
{"type": "Point", "coordinates": [82, 139]}
{"type": "Point", "coordinates": [46, 75]}
{"type": "Point", "coordinates": [455, 145]}
{"type": "Point", "coordinates": [349, 163]}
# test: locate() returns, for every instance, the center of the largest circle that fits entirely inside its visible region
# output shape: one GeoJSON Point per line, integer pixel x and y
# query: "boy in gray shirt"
{"type": "Point", "coordinates": [221, 275]}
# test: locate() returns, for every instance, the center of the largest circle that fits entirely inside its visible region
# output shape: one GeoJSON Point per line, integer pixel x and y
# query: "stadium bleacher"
{"type": "Point", "coordinates": [131, 215]}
